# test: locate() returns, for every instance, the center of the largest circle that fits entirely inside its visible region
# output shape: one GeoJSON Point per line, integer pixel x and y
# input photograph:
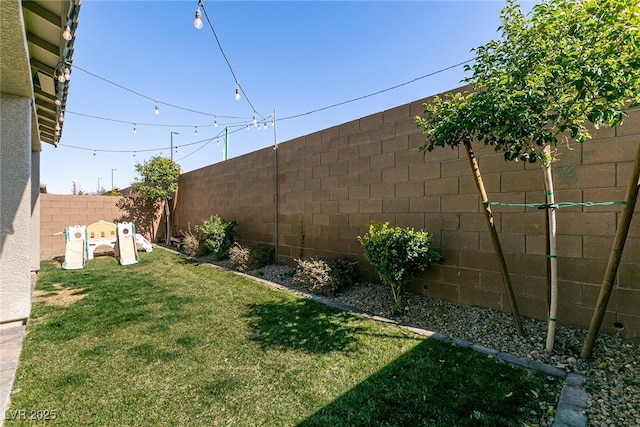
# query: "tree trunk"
{"type": "Point", "coordinates": [167, 216]}
{"type": "Point", "coordinates": [494, 238]}
{"type": "Point", "coordinates": [614, 258]}
{"type": "Point", "coordinates": [551, 255]}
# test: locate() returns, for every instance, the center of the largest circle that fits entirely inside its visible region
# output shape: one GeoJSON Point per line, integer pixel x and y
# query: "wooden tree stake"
{"type": "Point", "coordinates": [494, 238]}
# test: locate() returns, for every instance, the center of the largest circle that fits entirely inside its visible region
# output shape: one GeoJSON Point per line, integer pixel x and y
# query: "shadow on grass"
{"type": "Point", "coordinates": [302, 324]}
{"type": "Point", "coordinates": [436, 384]}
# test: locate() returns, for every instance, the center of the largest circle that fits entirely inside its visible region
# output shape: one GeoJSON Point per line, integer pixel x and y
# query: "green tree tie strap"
{"type": "Point", "coordinates": [557, 205]}
{"type": "Point", "coordinates": [549, 206]}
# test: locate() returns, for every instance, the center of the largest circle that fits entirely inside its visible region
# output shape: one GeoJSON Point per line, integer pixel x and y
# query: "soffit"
{"type": "Point", "coordinates": [33, 53]}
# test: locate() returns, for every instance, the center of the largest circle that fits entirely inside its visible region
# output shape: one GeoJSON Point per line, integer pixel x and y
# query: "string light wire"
{"type": "Point", "coordinates": [242, 120]}
{"type": "Point", "coordinates": [224, 55]}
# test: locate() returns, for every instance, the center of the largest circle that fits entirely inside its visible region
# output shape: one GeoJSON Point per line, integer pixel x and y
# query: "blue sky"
{"type": "Point", "coordinates": [290, 57]}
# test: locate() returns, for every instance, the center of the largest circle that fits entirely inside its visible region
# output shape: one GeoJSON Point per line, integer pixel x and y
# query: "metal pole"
{"type": "Point", "coordinates": [173, 133]}
{"type": "Point", "coordinates": [98, 191]}
{"type": "Point", "coordinates": [276, 190]}
{"type": "Point", "coordinates": [112, 178]}
{"type": "Point", "coordinates": [226, 142]}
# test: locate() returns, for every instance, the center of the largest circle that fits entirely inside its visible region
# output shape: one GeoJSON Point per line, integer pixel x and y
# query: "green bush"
{"type": "Point", "coordinates": [326, 276]}
{"type": "Point", "coordinates": [251, 258]}
{"type": "Point", "coordinates": [398, 255]}
{"type": "Point", "coordinates": [217, 236]}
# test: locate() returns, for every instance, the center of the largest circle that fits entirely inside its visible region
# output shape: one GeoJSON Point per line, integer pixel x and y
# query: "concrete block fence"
{"type": "Point", "coordinates": [326, 187]}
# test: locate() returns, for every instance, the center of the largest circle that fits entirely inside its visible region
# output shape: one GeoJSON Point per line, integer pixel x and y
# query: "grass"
{"type": "Point", "coordinates": [172, 342]}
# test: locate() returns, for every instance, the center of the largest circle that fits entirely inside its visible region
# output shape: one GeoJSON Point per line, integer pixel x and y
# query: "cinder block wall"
{"type": "Point", "coordinates": [58, 211]}
{"type": "Point", "coordinates": [332, 183]}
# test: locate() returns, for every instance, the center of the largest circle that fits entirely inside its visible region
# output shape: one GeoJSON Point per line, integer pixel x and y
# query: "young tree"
{"type": "Point", "coordinates": [566, 64]}
{"type": "Point", "coordinates": [158, 180]}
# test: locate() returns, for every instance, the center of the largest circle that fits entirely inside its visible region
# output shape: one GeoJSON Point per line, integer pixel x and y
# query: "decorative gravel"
{"type": "Point", "coordinates": [612, 375]}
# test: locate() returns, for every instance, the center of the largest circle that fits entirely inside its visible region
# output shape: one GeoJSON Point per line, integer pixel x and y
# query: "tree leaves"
{"type": "Point", "coordinates": [565, 64]}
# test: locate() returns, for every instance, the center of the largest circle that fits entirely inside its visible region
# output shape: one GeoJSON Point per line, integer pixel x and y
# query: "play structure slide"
{"type": "Point", "coordinates": [75, 253]}
{"type": "Point", "coordinates": [143, 243]}
{"type": "Point", "coordinates": [125, 249]}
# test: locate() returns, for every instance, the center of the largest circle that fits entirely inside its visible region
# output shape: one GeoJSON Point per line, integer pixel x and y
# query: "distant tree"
{"type": "Point", "coordinates": [113, 192]}
{"type": "Point", "coordinates": [566, 64]}
{"type": "Point", "coordinates": [158, 180]}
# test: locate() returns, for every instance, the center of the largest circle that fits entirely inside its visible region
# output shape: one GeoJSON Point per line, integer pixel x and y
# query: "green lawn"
{"type": "Point", "coordinates": [172, 342]}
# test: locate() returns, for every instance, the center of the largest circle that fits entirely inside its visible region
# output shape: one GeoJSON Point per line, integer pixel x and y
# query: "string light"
{"type": "Point", "coordinates": [237, 91]}
{"type": "Point", "coordinates": [255, 121]}
{"type": "Point", "coordinates": [66, 34]}
{"type": "Point", "coordinates": [67, 74]}
{"type": "Point", "coordinates": [196, 131]}
{"type": "Point", "coordinates": [134, 154]}
{"type": "Point", "coordinates": [135, 130]}
{"type": "Point", "coordinates": [198, 21]}
{"type": "Point", "coordinates": [215, 122]}
{"type": "Point", "coordinates": [157, 109]}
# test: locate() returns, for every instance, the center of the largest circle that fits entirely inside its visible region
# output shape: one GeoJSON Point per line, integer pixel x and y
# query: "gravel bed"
{"type": "Point", "coordinates": [612, 375]}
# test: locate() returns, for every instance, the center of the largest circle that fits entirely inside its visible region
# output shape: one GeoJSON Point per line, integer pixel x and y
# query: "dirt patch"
{"type": "Point", "coordinates": [61, 296]}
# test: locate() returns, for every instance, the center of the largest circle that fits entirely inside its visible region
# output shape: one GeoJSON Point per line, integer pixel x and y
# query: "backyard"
{"type": "Point", "coordinates": [173, 341]}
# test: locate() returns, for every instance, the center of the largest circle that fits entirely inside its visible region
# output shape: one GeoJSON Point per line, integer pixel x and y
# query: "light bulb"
{"type": "Point", "coordinates": [66, 34]}
{"type": "Point", "coordinates": [67, 74]}
{"type": "Point", "coordinates": [135, 130]}
{"type": "Point", "coordinates": [94, 154]}
{"type": "Point", "coordinates": [237, 91]}
{"type": "Point", "coordinates": [157, 109]}
{"type": "Point", "coordinates": [196, 131]}
{"type": "Point", "coordinates": [215, 122]}
{"type": "Point", "coordinates": [57, 126]}
{"type": "Point", "coordinates": [57, 102]}
{"type": "Point", "coordinates": [198, 21]}
{"type": "Point", "coordinates": [61, 118]}
{"type": "Point", "coordinates": [247, 126]}
{"type": "Point", "coordinates": [265, 125]}
{"type": "Point", "coordinates": [134, 154]}
{"type": "Point", "coordinates": [255, 121]}
{"type": "Point", "coordinates": [61, 78]}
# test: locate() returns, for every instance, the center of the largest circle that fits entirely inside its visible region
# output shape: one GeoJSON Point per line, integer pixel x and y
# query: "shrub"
{"type": "Point", "coordinates": [239, 257]}
{"type": "Point", "coordinates": [251, 258]}
{"type": "Point", "coordinates": [261, 255]}
{"type": "Point", "coordinates": [326, 276]}
{"type": "Point", "coordinates": [398, 255]}
{"type": "Point", "coordinates": [216, 235]}
{"type": "Point", "coordinates": [191, 244]}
